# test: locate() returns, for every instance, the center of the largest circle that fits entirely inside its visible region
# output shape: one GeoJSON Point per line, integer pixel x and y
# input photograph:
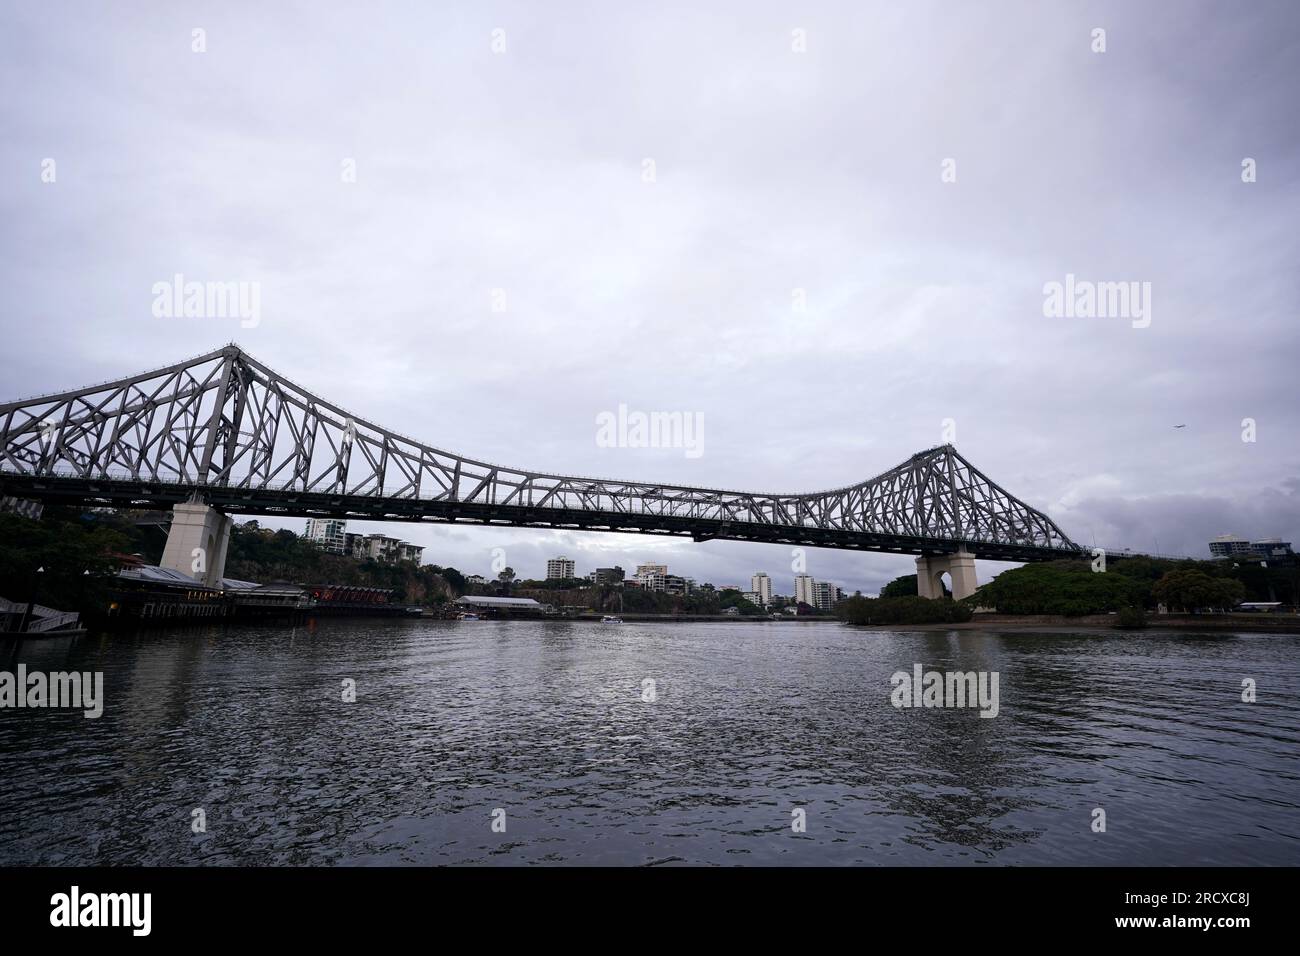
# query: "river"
{"type": "Point", "coordinates": [652, 744]}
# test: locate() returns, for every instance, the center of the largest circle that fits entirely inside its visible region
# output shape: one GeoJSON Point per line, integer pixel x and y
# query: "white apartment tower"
{"type": "Point", "coordinates": [561, 568]}
{"type": "Point", "coordinates": [329, 533]}
{"type": "Point", "coordinates": [761, 585]}
{"type": "Point", "coordinates": [825, 595]}
{"type": "Point", "coordinates": [803, 589]}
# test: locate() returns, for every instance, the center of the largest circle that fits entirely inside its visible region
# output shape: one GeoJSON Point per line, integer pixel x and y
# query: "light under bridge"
{"type": "Point", "coordinates": [223, 433]}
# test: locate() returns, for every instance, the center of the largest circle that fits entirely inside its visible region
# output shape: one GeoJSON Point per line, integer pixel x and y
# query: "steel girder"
{"type": "Point", "coordinates": [230, 429]}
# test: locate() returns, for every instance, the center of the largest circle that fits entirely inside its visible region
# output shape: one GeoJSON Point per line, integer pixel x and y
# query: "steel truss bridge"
{"type": "Point", "coordinates": [227, 430]}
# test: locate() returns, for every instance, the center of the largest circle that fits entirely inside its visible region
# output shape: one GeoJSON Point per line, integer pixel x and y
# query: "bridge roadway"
{"type": "Point", "coordinates": [127, 492]}
{"type": "Point", "coordinates": [223, 433]}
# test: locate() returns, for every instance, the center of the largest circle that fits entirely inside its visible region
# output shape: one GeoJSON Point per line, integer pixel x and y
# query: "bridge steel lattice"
{"type": "Point", "coordinates": [225, 429]}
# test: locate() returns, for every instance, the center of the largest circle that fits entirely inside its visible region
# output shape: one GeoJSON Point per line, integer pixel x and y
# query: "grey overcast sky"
{"type": "Point", "coordinates": [780, 175]}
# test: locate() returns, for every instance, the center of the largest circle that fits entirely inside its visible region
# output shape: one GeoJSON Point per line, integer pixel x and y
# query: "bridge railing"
{"type": "Point", "coordinates": [634, 505]}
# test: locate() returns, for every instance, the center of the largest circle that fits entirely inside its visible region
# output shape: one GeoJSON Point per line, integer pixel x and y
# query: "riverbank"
{"type": "Point", "coordinates": [710, 618]}
{"type": "Point", "coordinates": [1209, 623]}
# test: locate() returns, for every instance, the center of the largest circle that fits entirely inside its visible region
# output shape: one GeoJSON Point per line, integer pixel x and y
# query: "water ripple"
{"type": "Point", "coordinates": [750, 722]}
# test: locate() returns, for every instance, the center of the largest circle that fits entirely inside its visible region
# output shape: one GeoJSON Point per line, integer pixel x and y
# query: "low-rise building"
{"type": "Point", "coordinates": [673, 584]}
{"type": "Point", "coordinates": [1226, 545]}
{"type": "Point", "coordinates": [1271, 547]}
{"type": "Point", "coordinates": [381, 547]}
{"type": "Point", "coordinates": [608, 576]}
{"type": "Point", "coordinates": [504, 606]}
{"type": "Point", "coordinates": [1231, 545]}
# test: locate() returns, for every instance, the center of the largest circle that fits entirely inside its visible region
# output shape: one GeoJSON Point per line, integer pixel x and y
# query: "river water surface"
{"type": "Point", "coordinates": [550, 723]}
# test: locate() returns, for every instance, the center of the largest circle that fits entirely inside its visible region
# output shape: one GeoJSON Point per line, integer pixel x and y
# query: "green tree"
{"type": "Point", "coordinates": [1193, 590]}
{"type": "Point", "coordinates": [732, 598]}
{"type": "Point", "coordinates": [77, 557]}
{"type": "Point", "coordinates": [1069, 588]}
{"type": "Point", "coordinates": [900, 587]}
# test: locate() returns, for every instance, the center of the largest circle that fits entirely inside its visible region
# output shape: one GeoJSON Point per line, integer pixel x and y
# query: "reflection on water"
{"type": "Point", "coordinates": [750, 721]}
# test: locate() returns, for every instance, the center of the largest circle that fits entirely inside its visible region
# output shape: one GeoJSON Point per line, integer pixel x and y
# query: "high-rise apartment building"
{"type": "Point", "coordinates": [561, 568]}
{"type": "Point", "coordinates": [761, 585]}
{"type": "Point", "coordinates": [652, 577]}
{"type": "Point", "coordinates": [328, 533]}
{"type": "Point", "coordinates": [825, 595]}
{"type": "Point", "coordinates": [803, 589]}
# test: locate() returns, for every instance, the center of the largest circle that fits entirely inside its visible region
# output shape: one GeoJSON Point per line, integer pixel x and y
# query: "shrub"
{"type": "Point", "coordinates": [902, 610]}
{"type": "Point", "coordinates": [1131, 619]}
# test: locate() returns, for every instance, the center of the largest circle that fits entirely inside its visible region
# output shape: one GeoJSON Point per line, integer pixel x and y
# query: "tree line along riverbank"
{"type": "Point", "coordinates": [1128, 593]}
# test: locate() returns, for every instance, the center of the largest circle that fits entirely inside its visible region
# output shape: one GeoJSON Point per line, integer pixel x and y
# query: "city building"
{"type": "Point", "coordinates": [761, 585]}
{"type": "Point", "coordinates": [652, 577]}
{"type": "Point", "coordinates": [753, 597]}
{"type": "Point", "coordinates": [23, 507]}
{"type": "Point", "coordinates": [803, 589]}
{"type": "Point", "coordinates": [673, 584]}
{"type": "Point", "coordinates": [1271, 548]}
{"type": "Point", "coordinates": [328, 533]}
{"type": "Point", "coordinates": [1226, 545]}
{"type": "Point", "coordinates": [652, 580]}
{"type": "Point", "coordinates": [825, 595]}
{"type": "Point", "coordinates": [560, 568]}
{"type": "Point", "coordinates": [1231, 545]}
{"type": "Point", "coordinates": [503, 606]}
{"type": "Point", "coordinates": [608, 576]}
{"type": "Point", "coordinates": [382, 548]}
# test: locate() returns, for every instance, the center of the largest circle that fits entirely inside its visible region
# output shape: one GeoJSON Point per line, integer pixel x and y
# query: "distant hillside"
{"type": "Point", "coordinates": [262, 555]}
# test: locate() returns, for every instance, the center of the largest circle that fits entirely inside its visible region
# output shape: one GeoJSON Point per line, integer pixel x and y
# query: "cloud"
{"type": "Point", "coordinates": [776, 173]}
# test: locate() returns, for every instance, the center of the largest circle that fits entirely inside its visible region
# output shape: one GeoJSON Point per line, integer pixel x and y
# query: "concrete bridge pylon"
{"type": "Point", "coordinates": [959, 566]}
{"type": "Point", "coordinates": [197, 542]}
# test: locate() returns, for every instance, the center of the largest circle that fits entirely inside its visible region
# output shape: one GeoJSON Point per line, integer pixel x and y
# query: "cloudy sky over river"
{"type": "Point", "coordinates": [832, 245]}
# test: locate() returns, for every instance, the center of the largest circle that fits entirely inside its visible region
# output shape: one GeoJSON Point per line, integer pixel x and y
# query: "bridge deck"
{"type": "Point", "coordinates": [299, 504]}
